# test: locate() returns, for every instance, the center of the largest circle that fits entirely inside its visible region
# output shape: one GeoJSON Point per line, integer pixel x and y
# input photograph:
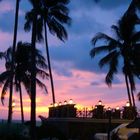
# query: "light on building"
{"type": "Point", "coordinates": [117, 108]}
{"type": "Point", "coordinates": [127, 104]}
{"type": "Point", "coordinates": [60, 103]}
{"type": "Point", "coordinates": [70, 101]}
{"type": "Point", "coordinates": [65, 102]}
{"type": "Point", "coordinates": [99, 102]}
{"type": "Point", "coordinates": [56, 104]}
{"type": "Point", "coordinates": [109, 108]}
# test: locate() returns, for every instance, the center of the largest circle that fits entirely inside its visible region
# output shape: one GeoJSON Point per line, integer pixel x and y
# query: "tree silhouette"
{"type": "Point", "coordinates": [12, 64]}
{"type": "Point", "coordinates": [53, 14]}
{"type": "Point", "coordinates": [122, 47]}
{"type": "Point", "coordinates": [35, 4]}
{"type": "Point", "coordinates": [22, 71]}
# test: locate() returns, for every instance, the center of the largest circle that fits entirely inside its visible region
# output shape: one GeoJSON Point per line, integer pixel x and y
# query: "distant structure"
{"type": "Point", "coordinates": [68, 110]}
{"type": "Point", "coordinates": [129, 112]}
{"type": "Point", "coordinates": [98, 111]}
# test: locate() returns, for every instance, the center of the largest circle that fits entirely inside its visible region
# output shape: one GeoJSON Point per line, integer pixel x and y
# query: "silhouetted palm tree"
{"type": "Point", "coordinates": [123, 46]}
{"type": "Point", "coordinates": [35, 4]}
{"type": "Point", "coordinates": [134, 5]}
{"type": "Point", "coordinates": [52, 14]}
{"type": "Point", "coordinates": [12, 64]}
{"type": "Point", "coordinates": [22, 71]}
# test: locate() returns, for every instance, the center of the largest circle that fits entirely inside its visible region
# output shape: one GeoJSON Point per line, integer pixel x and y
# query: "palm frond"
{"type": "Point", "coordinates": [56, 2]}
{"type": "Point", "coordinates": [4, 76]}
{"type": "Point", "coordinates": [41, 73]}
{"type": "Point", "coordinates": [27, 83]}
{"type": "Point", "coordinates": [59, 7]}
{"type": "Point", "coordinates": [116, 30]}
{"type": "Point", "coordinates": [101, 49]}
{"type": "Point", "coordinates": [41, 64]}
{"type": "Point", "coordinates": [60, 16]}
{"type": "Point", "coordinates": [112, 69]}
{"type": "Point", "coordinates": [108, 58]}
{"type": "Point", "coordinates": [2, 55]}
{"type": "Point", "coordinates": [57, 29]}
{"type": "Point", "coordinates": [136, 37]}
{"type": "Point", "coordinates": [40, 60]}
{"type": "Point", "coordinates": [8, 55]}
{"type": "Point", "coordinates": [28, 20]}
{"type": "Point", "coordinates": [41, 85]}
{"type": "Point", "coordinates": [63, 1]}
{"type": "Point", "coordinates": [102, 36]}
{"type": "Point", "coordinates": [4, 90]}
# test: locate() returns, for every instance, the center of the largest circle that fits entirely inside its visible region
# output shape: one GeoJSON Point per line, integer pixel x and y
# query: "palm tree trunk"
{"type": "Point", "coordinates": [49, 64]}
{"type": "Point", "coordinates": [128, 90]}
{"type": "Point", "coordinates": [134, 105]}
{"type": "Point", "coordinates": [21, 104]}
{"type": "Point", "coordinates": [133, 100]}
{"type": "Point", "coordinates": [13, 59]}
{"type": "Point", "coordinates": [33, 77]}
{"type": "Point", "coordinates": [132, 95]}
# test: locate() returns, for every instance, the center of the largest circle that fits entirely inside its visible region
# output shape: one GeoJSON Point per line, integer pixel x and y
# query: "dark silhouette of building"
{"type": "Point", "coordinates": [62, 111]}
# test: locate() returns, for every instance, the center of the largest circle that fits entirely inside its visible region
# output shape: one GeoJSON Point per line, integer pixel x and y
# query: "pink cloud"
{"type": "Point", "coordinates": [6, 6]}
{"type": "Point", "coordinates": [6, 38]}
{"type": "Point", "coordinates": [76, 87]}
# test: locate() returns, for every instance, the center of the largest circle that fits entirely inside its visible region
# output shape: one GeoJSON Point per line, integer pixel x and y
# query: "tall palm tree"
{"type": "Point", "coordinates": [22, 72]}
{"type": "Point", "coordinates": [32, 21]}
{"type": "Point", "coordinates": [52, 14]}
{"type": "Point", "coordinates": [12, 64]}
{"type": "Point", "coordinates": [35, 4]}
{"type": "Point", "coordinates": [124, 47]}
{"type": "Point", "coordinates": [134, 5]}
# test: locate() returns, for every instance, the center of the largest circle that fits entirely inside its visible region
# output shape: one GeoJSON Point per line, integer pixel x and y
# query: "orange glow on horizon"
{"type": "Point", "coordinates": [84, 94]}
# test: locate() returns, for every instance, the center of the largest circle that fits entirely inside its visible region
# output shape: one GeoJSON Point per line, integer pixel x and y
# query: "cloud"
{"type": "Point", "coordinates": [7, 14]}
{"type": "Point", "coordinates": [6, 39]}
{"type": "Point", "coordinates": [109, 4]}
{"type": "Point", "coordinates": [86, 23]}
{"type": "Point", "coordinates": [89, 4]}
{"type": "Point", "coordinates": [62, 70]}
{"type": "Point", "coordinates": [6, 6]}
{"type": "Point", "coordinates": [7, 24]}
{"type": "Point", "coordinates": [75, 74]}
{"type": "Point", "coordinates": [94, 83]}
{"type": "Point", "coordinates": [76, 87]}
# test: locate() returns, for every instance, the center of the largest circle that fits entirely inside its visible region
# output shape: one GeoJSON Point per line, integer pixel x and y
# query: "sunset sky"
{"type": "Point", "coordinates": [76, 75]}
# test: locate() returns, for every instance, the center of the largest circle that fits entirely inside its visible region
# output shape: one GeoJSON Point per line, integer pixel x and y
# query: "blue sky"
{"type": "Point", "coordinates": [76, 75]}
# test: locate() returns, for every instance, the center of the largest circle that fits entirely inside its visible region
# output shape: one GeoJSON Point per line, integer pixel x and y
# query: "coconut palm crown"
{"type": "Point", "coordinates": [22, 70]}
{"type": "Point", "coordinates": [124, 45]}
{"type": "Point", "coordinates": [52, 14]}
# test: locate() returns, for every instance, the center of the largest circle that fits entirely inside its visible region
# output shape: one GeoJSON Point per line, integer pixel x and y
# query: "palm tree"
{"type": "Point", "coordinates": [124, 47]}
{"type": "Point", "coordinates": [52, 14]}
{"type": "Point", "coordinates": [22, 72]}
{"type": "Point", "coordinates": [33, 20]}
{"type": "Point", "coordinates": [134, 5]}
{"type": "Point", "coordinates": [33, 70]}
{"type": "Point", "coordinates": [12, 64]}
